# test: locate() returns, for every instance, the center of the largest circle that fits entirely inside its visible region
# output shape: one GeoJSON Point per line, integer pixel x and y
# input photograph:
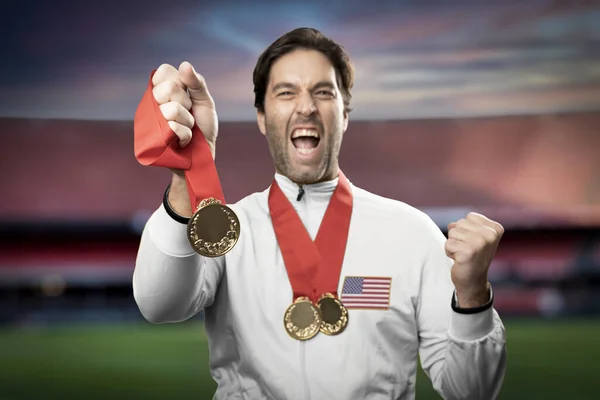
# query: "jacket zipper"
{"type": "Point", "coordinates": [302, 344]}
{"type": "Point", "coordinates": [303, 370]}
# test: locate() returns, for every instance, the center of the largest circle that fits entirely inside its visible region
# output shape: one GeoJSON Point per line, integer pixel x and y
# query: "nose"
{"type": "Point", "coordinates": [306, 105]}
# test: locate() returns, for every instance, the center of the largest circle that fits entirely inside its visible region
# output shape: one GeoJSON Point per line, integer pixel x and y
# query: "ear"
{"type": "Point", "coordinates": [260, 118]}
{"type": "Point", "coordinates": [345, 120]}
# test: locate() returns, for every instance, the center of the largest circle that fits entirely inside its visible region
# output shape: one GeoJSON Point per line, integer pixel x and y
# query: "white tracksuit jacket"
{"type": "Point", "coordinates": [244, 295]}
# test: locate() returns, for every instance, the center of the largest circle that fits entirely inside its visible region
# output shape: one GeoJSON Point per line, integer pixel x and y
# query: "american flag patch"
{"type": "Point", "coordinates": [366, 292]}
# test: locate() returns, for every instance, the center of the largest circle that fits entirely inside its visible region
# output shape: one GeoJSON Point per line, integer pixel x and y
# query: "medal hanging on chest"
{"type": "Point", "coordinates": [313, 267]}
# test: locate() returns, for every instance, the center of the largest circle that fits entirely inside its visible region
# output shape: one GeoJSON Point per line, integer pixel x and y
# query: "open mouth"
{"type": "Point", "coordinates": [305, 140]}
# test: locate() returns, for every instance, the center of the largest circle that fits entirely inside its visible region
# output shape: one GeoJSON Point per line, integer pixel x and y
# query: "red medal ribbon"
{"type": "Point", "coordinates": [156, 144]}
{"type": "Point", "coordinates": [313, 267]}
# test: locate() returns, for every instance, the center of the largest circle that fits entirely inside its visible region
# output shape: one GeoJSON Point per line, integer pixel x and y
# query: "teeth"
{"type": "Point", "coordinates": [305, 132]}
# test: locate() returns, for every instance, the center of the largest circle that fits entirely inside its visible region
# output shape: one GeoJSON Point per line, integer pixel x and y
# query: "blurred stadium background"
{"type": "Point", "coordinates": [458, 106]}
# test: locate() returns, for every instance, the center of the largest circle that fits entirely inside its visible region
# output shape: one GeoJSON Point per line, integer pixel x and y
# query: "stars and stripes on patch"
{"type": "Point", "coordinates": [366, 292]}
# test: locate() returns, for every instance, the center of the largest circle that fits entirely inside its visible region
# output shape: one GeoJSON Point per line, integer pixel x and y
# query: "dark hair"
{"type": "Point", "coordinates": [309, 39]}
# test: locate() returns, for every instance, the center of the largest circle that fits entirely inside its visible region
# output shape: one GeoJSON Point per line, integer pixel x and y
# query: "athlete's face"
{"type": "Point", "coordinates": [304, 118]}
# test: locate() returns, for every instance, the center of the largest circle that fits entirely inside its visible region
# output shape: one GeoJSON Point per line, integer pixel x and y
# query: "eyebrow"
{"type": "Point", "coordinates": [282, 85]}
{"type": "Point", "coordinates": [287, 85]}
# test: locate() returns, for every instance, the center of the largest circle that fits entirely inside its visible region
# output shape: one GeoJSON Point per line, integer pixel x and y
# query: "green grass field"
{"type": "Point", "coordinates": [547, 360]}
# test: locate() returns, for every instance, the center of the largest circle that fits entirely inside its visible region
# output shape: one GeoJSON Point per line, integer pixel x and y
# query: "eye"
{"type": "Point", "coordinates": [325, 93]}
{"type": "Point", "coordinates": [286, 93]}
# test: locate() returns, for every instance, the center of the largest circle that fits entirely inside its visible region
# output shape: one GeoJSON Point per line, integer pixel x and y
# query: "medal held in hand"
{"type": "Point", "coordinates": [313, 267]}
{"type": "Point", "coordinates": [334, 316]}
{"type": "Point", "coordinates": [302, 319]}
{"type": "Point", "coordinates": [214, 228]}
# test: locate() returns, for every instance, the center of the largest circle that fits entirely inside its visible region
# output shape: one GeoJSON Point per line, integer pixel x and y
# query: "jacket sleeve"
{"type": "Point", "coordinates": [171, 282]}
{"type": "Point", "coordinates": [464, 355]}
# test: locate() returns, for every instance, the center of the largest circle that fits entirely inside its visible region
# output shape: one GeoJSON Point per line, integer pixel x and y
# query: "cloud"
{"type": "Point", "coordinates": [92, 60]}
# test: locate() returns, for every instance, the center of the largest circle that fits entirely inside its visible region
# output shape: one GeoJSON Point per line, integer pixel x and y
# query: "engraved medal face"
{"type": "Point", "coordinates": [334, 316]}
{"type": "Point", "coordinates": [302, 320]}
{"type": "Point", "coordinates": [214, 229]}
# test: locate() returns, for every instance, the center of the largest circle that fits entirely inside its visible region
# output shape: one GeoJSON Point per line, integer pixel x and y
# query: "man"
{"type": "Point", "coordinates": [403, 290]}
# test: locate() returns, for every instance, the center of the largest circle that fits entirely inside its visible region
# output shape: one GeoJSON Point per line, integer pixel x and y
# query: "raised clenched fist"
{"type": "Point", "coordinates": [184, 100]}
{"type": "Point", "coordinates": [472, 244]}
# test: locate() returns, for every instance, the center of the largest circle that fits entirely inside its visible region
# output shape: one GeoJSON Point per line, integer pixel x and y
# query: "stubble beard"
{"type": "Point", "coordinates": [278, 145]}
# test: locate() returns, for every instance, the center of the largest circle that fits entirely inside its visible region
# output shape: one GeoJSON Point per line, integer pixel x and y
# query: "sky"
{"type": "Point", "coordinates": [413, 59]}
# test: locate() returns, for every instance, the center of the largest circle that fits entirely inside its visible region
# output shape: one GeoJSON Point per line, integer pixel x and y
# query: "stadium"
{"type": "Point", "coordinates": [452, 115]}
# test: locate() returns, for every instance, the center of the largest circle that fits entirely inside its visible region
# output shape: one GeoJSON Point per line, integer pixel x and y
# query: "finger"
{"type": "Point", "coordinates": [484, 228]}
{"type": "Point", "coordinates": [195, 83]}
{"type": "Point", "coordinates": [468, 225]}
{"type": "Point", "coordinates": [167, 72]}
{"type": "Point", "coordinates": [460, 251]}
{"type": "Point", "coordinates": [451, 247]}
{"type": "Point", "coordinates": [482, 219]}
{"type": "Point", "coordinates": [173, 111]}
{"type": "Point", "coordinates": [477, 227]}
{"type": "Point", "coordinates": [183, 133]}
{"type": "Point", "coordinates": [460, 234]}
{"type": "Point", "coordinates": [474, 233]}
{"type": "Point", "coordinates": [170, 91]}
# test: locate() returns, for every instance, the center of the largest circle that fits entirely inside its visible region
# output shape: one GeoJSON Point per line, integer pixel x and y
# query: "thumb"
{"type": "Point", "coordinates": [450, 248]}
{"type": "Point", "coordinates": [195, 83]}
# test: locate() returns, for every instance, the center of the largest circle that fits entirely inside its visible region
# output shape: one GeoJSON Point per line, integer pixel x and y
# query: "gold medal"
{"type": "Point", "coordinates": [302, 319]}
{"type": "Point", "coordinates": [334, 316]}
{"type": "Point", "coordinates": [214, 228]}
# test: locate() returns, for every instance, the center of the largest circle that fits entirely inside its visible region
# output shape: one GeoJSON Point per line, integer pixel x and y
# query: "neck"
{"type": "Point", "coordinates": [328, 176]}
{"type": "Point", "coordinates": [296, 191]}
